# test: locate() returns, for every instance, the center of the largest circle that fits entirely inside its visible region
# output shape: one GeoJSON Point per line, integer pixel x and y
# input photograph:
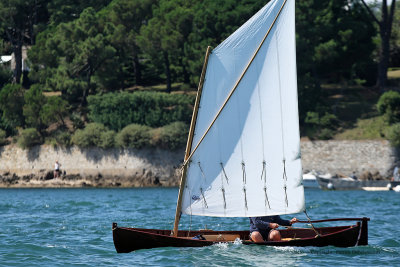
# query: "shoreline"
{"type": "Point", "coordinates": [113, 168]}
{"type": "Point", "coordinates": [45, 179]}
{"type": "Point", "coordinates": [77, 181]}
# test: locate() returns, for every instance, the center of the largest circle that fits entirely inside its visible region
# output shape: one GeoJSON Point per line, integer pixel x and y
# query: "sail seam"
{"type": "Point", "coordinates": [236, 85]}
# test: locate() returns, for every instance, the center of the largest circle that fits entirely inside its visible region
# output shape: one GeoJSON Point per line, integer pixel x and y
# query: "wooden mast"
{"type": "Point", "coordinates": [189, 143]}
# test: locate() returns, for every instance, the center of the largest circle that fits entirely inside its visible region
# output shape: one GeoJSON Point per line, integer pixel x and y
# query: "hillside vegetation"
{"type": "Point", "coordinates": [124, 73]}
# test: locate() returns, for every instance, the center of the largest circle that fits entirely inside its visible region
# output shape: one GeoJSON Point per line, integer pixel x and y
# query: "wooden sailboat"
{"type": "Point", "coordinates": [243, 155]}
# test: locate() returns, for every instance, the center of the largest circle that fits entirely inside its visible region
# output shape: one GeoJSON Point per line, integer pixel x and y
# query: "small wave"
{"type": "Point", "coordinates": [80, 203]}
{"type": "Point", "coordinates": [237, 241]}
{"type": "Point", "coordinates": [288, 249]}
{"type": "Point", "coordinates": [390, 243]}
{"type": "Point", "coordinates": [221, 245]}
{"type": "Point", "coordinates": [55, 246]}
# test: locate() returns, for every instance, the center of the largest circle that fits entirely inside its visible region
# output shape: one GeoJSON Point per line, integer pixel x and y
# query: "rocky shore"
{"type": "Point", "coordinates": [92, 167]}
{"type": "Point", "coordinates": [46, 180]}
{"type": "Point", "coordinates": [95, 167]}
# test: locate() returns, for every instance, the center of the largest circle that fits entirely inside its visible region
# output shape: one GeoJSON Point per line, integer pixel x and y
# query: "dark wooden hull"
{"type": "Point", "coordinates": [130, 239]}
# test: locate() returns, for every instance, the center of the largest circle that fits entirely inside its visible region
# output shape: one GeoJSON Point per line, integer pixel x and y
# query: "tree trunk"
{"type": "Point", "coordinates": [18, 62]}
{"type": "Point", "coordinates": [384, 55]}
{"type": "Point", "coordinates": [385, 31]}
{"type": "Point", "coordinates": [87, 88]}
{"type": "Point", "coordinates": [167, 72]}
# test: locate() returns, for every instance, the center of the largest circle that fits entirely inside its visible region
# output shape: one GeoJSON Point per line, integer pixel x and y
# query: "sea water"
{"type": "Point", "coordinates": [68, 227]}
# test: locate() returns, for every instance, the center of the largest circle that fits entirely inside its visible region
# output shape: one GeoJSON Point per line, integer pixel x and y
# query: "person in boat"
{"type": "Point", "coordinates": [263, 228]}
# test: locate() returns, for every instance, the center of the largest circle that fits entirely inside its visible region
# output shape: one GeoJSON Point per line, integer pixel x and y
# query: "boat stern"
{"type": "Point", "coordinates": [363, 234]}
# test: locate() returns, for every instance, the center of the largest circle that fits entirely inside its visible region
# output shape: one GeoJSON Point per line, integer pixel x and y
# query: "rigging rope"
{"type": "Point", "coordinates": [245, 198]}
{"type": "Point", "coordinates": [204, 198]}
{"type": "Point", "coordinates": [264, 175]}
{"type": "Point", "coordinates": [282, 131]}
{"type": "Point", "coordinates": [223, 170]}
{"type": "Point", "coordinates": [244, 184]}
{"type": "Point", "coordinates": [201, 170]}
{"type": "Point", "coordinates": [223, 194]}
{"type": "Point", "coordinates": [222, 184]}
{"type": "Point", "coordinates": [285, 180]}
{"type": "Point", "coordinates": [244, 172]}
{"type": "Point", "coordinates": [312, 226]}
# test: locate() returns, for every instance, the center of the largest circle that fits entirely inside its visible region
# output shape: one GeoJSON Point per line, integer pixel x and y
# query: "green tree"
{"type": "Point", "coordinates": [34, 101]}
{"type": "Point", "coordinates": [395, 42]}
{"type": "Point", "coordinates": [213, 22]}
{"type": "Point", "coordinates": [55, 110]}
{"type": "Point", "coordinates": [68, 10]}
{"type": "Point", "coordinates": [11, 104]}
{"type": "Point", "coordinates": [128, 17]}
{"type": "Point", "coordinates": [165, 34]}
{"type": "Point", "coordinates": [5, 75]}
{"type": "Point", "coordinates": [75, 52]}
{"type": "Point", "coordinates": [385, 31]}
{"type": "Point", "coordinates": [334, 42]}
{"type": "Point", "coordinates": [18, 19]}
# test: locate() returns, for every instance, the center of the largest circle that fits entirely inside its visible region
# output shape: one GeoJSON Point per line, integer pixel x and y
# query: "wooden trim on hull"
{"type": "Point", "coordinates": [130, 239]}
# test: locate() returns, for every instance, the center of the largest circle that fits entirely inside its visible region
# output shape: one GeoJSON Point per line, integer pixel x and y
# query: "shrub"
{"type": "Point", "coordinates": [323, 127]}
{"type": "Point", "coordinates": [77, 122]}
{"type": "Point", "coordinates": [28, 138]}
{"type": "Point", "coordinates": [90, 136]}
{"type": "Point", "coordinates": [59, 138]}
{"type": "Point", "coordinates": [3, 140]}
{"type": "Point", "coordinates": [63, 139]}
{"type": "Point", "coordinates": [171, 136]}
{"type": "Point", "coordinates": [107, 139]}
{"type": "Point", "coordinates": [154, 109]}
{"type": "Point", "coordinates": [389, 105]}
{"type": "Point", "coordinates": [327, 120]}
{"type": "Point", "coordinates": [393, 134]}
{"type": "Point", "coordinates": [134, 136]}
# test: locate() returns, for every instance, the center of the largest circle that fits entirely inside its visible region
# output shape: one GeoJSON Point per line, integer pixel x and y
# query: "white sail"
{"type": "Point", "coordinates": [245, 157]}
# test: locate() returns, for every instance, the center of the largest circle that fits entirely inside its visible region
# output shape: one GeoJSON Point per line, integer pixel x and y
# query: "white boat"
{"type": "Point", "coordinates": [310, 180]}
{"type": "Point", "coordinates": [349, 183]}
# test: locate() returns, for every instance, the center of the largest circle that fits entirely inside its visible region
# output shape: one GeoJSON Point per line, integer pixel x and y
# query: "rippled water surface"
{"type": "Point", "coordinates": [64, 227]}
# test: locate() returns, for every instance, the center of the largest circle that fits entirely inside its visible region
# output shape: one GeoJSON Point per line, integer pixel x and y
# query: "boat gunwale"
{"type": "Point", "coordinates": [346, 228]}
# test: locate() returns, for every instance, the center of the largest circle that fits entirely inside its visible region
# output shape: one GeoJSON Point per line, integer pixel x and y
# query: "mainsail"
{"type": "Point", "coordinates": [245, 154]}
